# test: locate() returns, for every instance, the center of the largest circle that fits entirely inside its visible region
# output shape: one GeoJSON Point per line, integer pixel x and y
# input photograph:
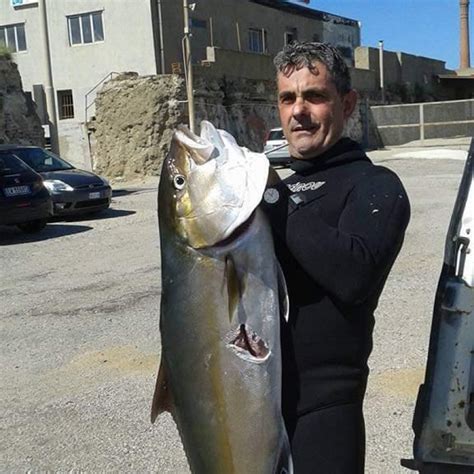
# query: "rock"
{"type": "Point", "coordinates": [19, 122]}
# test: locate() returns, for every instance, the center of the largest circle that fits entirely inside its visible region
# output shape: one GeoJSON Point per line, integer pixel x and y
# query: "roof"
{"type": "Point", "coordinates": [455, 77]}
{"type": "Point", "coordinates": [286, 6]}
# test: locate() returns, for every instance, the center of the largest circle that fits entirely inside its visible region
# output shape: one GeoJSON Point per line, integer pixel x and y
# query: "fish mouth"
{"type": "Point", "coordinates": [199, 148]}
{"type": "Point", "coordinates": [248, 345]}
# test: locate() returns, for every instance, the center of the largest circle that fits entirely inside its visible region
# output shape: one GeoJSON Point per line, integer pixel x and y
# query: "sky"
{"type": "Point", "coordinates": [421, 27]}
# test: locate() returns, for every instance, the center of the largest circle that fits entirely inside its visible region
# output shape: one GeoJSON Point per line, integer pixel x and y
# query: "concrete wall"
{"type": "Point", "coordinates": [363, 81]}
{"type": "Point", "coordinates": [399, 124]}
{"type": "Point", "coordinates": [224, 62]}
{"type": "Point", "coordinates": [407, 78]}
{"type": "Point", "coordinates": [73, 143]}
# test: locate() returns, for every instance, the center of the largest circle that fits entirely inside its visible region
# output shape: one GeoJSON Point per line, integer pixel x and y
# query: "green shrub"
{"type": "Point", "coordinates": [5, 52]}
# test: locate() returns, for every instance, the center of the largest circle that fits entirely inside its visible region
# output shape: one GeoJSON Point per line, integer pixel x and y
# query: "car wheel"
{"type": "Point", "coordinates": [33, 226]}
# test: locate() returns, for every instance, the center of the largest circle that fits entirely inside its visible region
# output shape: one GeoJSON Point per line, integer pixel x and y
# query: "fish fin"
{"type": "Point", "coordinates": [235, 286]}
{"type": "Point", "coordinates": [162, 397]}
{"type": "Point", "coordinates": [283, 299]}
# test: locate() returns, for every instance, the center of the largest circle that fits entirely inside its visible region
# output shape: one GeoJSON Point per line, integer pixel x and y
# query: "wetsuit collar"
{"type": "Point", "coordinates": [344, 151]}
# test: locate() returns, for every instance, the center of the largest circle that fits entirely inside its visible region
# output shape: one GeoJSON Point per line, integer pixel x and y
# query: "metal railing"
{"type": "Point", "coordinates": [87, 106]}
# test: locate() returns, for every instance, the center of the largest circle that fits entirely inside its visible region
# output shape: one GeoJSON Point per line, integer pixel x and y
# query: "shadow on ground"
{"type": "Point", "coordinates": [96, 216]}
{"type": "Point", "coordinates": [128, 191]}
{"type": "Point", "coordinates": [11, 235]}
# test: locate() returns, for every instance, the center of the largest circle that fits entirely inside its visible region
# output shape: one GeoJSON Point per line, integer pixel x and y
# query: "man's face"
{"type": "Point", "coordinates": [312, 112]}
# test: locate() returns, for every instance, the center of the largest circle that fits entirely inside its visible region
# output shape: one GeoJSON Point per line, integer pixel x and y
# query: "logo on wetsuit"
{"type": "Point", "coordinates": [309, 186]}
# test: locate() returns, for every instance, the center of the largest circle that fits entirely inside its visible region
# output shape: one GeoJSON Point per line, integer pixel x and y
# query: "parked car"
{"type": "Point", "coordinates": [24, 200]}
{"type": "Point", "coordinates": [73, 191]}
{"type": "Point", "coordinates": [444, 416]}
{"type": "Point", "coordinates": [276, 148]}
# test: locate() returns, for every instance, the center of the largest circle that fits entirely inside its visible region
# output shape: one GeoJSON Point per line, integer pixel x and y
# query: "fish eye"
{"type": "Point", "coordinates": [179, 181]}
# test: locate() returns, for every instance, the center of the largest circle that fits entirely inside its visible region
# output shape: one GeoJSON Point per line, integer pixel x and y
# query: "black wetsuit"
{"type": "Point", "coordinates": [338, 224]}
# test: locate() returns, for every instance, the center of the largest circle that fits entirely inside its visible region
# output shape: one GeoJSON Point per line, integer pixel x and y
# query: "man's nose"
{"type": "Point", "coordinates": [299, 107]}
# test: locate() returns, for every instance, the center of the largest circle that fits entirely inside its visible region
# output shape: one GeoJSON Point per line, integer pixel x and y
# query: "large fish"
{"type": "Point", "coordinates": [220, 372]}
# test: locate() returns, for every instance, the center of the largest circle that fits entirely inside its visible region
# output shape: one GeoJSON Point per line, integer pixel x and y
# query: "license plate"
{"type": "Point", "coordinates": [17, 191]}
{"type": "Point", "coordinates": [95, 195]}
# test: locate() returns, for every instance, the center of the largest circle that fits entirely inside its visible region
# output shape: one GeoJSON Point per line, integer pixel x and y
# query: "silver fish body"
{"type": "Point", "coordinates": [220, 373]}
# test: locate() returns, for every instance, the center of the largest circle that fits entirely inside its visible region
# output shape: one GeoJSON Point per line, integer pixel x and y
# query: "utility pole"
{"type": "Point", "coordinates": [188, 66]}
{"type": "Point", "coordinates": [49, 88]}
{"type": "Point", "coordinates": [382, 82]}
{"type": "Point", "coordinates": [162, 48]}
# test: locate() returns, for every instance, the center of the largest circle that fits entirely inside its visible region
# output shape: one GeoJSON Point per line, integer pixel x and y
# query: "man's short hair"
{"type": "Point", "coordinates": [298, 55]}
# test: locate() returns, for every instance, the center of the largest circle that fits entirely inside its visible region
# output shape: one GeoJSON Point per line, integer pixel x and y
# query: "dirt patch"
{"type": "Point", "coordinates": [402, 383]}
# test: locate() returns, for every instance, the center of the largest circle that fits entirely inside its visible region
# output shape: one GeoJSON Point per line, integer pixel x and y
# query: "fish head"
{"type": "Point", "coordinates": [209, 185]}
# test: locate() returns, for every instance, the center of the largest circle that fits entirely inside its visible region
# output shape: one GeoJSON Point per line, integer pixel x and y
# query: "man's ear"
{"type": "Point", "coordinates": [349, 102]}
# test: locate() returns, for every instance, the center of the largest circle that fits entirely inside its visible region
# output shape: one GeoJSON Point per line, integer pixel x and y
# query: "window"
{"type": "Point", "coordinates": [290, 35]}
{"type": "Point", "coordinates": [316, 38]}
{"type": "Point", "coordinates": [257, 40]}
{"type": "Point", "coordinates": [65, 105]}
{"type": "Point", "coordinates": [13, 37]}
{"type": "Point", "coordinates": [85, 28]}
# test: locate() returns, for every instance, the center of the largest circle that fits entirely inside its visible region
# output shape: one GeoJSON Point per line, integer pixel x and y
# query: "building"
{"type": "Point", "coordinates": [407, 78]}
{"type": "Point", "coordinates": [253, 26]}
{"type": "Point", "coordinates": [90, 40]}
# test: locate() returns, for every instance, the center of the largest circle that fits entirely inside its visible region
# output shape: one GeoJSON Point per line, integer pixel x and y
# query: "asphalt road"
{"type": "Point", "coordinates": [80, 342]}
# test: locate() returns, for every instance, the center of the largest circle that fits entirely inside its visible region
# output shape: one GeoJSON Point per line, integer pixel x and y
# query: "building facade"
{"type": "Point", "coordinates": [251, 26]}
{"type": "Point", "coordinates": [65, 48]}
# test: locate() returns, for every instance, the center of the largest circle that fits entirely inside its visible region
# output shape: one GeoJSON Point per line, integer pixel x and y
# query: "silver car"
{"type": "Point", "coordinates": [276, 148]}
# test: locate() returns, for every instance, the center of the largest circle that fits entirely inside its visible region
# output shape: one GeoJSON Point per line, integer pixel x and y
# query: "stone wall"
{"type": "Point", "coordinates": [136, 117]}
{"type": "Point", "coordinates": [19, 122]}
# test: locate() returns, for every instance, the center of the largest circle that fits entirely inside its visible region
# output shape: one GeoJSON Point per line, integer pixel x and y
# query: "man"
{"type": "Point", "coordinates": [338, 224]}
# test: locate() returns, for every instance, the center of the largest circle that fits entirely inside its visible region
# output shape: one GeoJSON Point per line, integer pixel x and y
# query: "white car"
{"type": "Point", "coordinates": [276, 148]}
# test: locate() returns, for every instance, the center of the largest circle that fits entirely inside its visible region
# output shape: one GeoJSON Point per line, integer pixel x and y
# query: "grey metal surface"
{"type": "Point", "coordinates": [444, 420]}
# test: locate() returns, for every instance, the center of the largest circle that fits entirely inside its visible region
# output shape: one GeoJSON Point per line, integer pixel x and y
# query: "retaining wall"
{"type": "Point", "coordinates": [399, 124]}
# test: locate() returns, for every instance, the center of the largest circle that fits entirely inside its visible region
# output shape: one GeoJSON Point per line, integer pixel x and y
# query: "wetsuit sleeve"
{"type": "Point", "coordinates": [349, 260]}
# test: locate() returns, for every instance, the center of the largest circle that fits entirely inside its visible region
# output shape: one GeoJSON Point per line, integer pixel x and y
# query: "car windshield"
{"type": "Point", "coordinates": [42, 160]}
{"type": "Point", "coordinates": [276, 135]}
{"type": "Point", "coordinates": [10, 164]}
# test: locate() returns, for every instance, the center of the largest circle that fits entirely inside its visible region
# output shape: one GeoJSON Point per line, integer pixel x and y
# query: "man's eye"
{"type": "Point", "coordinates": [314, 97]}
{"type": "Point", "coordinates": [287, 100]}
